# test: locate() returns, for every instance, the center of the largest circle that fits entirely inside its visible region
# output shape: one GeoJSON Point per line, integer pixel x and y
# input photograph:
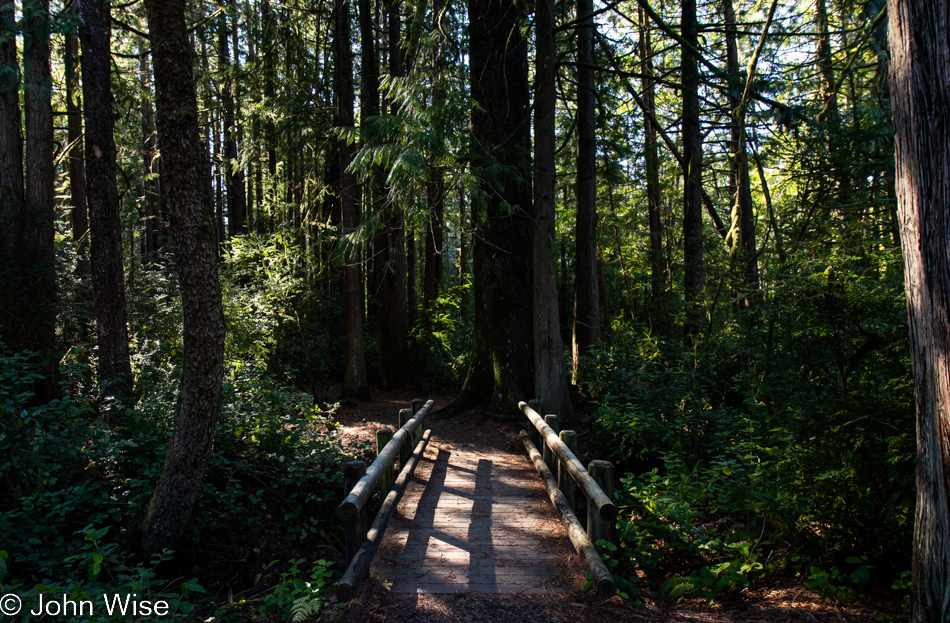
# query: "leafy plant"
{"type": "Point", "coordinates": [297, 595]}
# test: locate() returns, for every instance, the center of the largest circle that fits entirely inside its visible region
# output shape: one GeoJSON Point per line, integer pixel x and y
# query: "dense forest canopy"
{"type": "Point", "coordinates": [674, 222]}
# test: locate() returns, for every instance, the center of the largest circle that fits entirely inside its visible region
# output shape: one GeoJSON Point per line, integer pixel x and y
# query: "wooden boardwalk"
{"type": "Point", "coordinates": [474, 520]}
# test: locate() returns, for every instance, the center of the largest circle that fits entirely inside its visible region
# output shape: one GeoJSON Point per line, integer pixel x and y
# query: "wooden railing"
{"type": "Point", "coordinates": [563, 473]}
{"type": "Point", "coordinates": [359, 482]}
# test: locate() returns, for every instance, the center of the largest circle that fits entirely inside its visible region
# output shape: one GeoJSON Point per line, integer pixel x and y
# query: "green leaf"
{"type": "Point", "coordinates": [861, 575]}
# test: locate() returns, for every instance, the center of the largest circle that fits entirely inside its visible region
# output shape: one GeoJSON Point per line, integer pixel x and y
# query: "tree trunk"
{"type": "Point", "coordinates": [919, 33]}
{"type": "Point", "coordinates": [270, 132]}
{"type": "Point", "coordinates": [389, 263]}
{"type": "Point", "coordinates": [463, 279]}
{"type": "Point", "coordinates": [355, 383]}
{"type": "Point", "coordinates": [693, 273]}
{"type": "Point", "coordinates": [108, 282]}
{"type": "Point", "coordinates": [412, 281]}
{"type": "Point", "coordinates": [78, 217]}
{"type": "Point", "coordinates": [38, 314]}
{"type": "Point", "coordinates": [149, 155]}
{"type": "Point", "coordinates": [11, 186]}
{"type": "Point", "coordinates": [185, 164]}
{"type": "Point", "coordinates": [11, 144]}
{"type": "Point", "coordinates": [502, 371]}
{"type": "Point", "coordinates": [586, 305]}
{"type": "Point", "coordinates": [11, 139]}
{"type": "Point", "coordinates": [240, 179]}
{"type": "Point", "coordinates": [550, 382]}
{"type": "Point", "coordinates": [214, 118]}
{"type": "Point", "coordinates": [432, 276]}
{"type": "Point", "coordinates": [234, 182]}
{"type": "Point", "coordinates": [435, 232]}
{"type": "Point", "coordinates": [825, 62]}
{"type": "Point", "coordinates": [742, 250]}
{"type": "Point", "coordinates": [389, 260]}
{"type": "Point", "coordinates": [659, 270]}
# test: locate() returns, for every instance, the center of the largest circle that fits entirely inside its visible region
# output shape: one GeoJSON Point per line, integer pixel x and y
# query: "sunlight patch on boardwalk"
{"type": "Point", "coordinates": [474, 521]}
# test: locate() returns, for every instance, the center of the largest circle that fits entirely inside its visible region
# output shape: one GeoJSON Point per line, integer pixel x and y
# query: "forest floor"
{"type": "Point", "coordinates": [776, 599]}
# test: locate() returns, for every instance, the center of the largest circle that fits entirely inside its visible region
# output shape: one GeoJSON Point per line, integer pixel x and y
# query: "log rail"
{"type": "Point", "coordinates": [359, 482]}
{"type": "Point", "coordinates": [563, 474]}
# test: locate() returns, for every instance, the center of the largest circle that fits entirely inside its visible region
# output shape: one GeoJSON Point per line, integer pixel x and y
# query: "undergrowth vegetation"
{"type": "Point", "coordinates": [780, 444]}
{"type": "Point", "coordinates": [264, 527]}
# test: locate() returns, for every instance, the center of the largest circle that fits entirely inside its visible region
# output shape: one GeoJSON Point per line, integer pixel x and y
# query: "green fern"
{"type": "Point", "coordinates": [305, 607]}
{"type": "Point", "coordinates": [675, 588]}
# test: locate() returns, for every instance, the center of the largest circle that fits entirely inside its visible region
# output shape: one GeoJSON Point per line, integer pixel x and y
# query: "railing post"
{"type": "Point", "coordinates": [354, 530]}
{"type": "Point", "coordinates": [564, 480]}
{"type": "Point", "coordinates": [406, 450]}
{"type": "Point", "coordinates": [416, 434]}
{"type": "Point", "coordinates": [532, 431]}
{"type": "Point", "coordinates": [387, 478]}
{"type": "Point", "coordinates": [597, 527]}
{"type": "Point", "coordinates": [550, 458]}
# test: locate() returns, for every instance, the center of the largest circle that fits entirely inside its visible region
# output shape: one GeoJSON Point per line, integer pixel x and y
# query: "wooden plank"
{"type": "Point", "coordinates": [601, 577]}
{"type": "Point", "coordinates": [595, 495]}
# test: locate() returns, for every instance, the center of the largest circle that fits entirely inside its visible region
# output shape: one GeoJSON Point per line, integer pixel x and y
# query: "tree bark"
{"type": "Point", "coordinates": [919, 34]}
{"type": "Point", "coordinates": [463, 279]}
{"type": "Point", "coordinates": [11, 140]}
{"type": "Point", "coordinates": [149, 155]}
{"type": "Point", "coordinates": [234, 179]}
{"type": "Point", "coordinates": [586, 304]}
{"type": "Point", "coordinates": [742, 249]}
{"type": "Point", "coordinates": [502, 371]}
{"type": "Point", "coordinates": [693, 272]}
{"type": "Point", "coordinates": [659, 270]}
{"type": "Point", "coordinates": [389, 261]}
{"type": "Point", "coordinates": [434, 270]}
{"type": "Point", "coordinates": [185, 164]}
{"type": "Point", "coordinates": [239, 180]}
{"type": "Point", "coordinates": [78, 217]}
{"type": "Point", "coordinates": [355, 383]}
{"type": "Point", "coordinates": [35, 313]}
{"type": "Point", "coordinates": [827, 92]}
{"type": "Point", "coordinates": [108, 281]}
{"type": "Point", "coordinates": [550, 382]}
{"type": "Point", "coordinates": [12, 198]}
{"type": "Point", "coordinates": [435, 232]}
